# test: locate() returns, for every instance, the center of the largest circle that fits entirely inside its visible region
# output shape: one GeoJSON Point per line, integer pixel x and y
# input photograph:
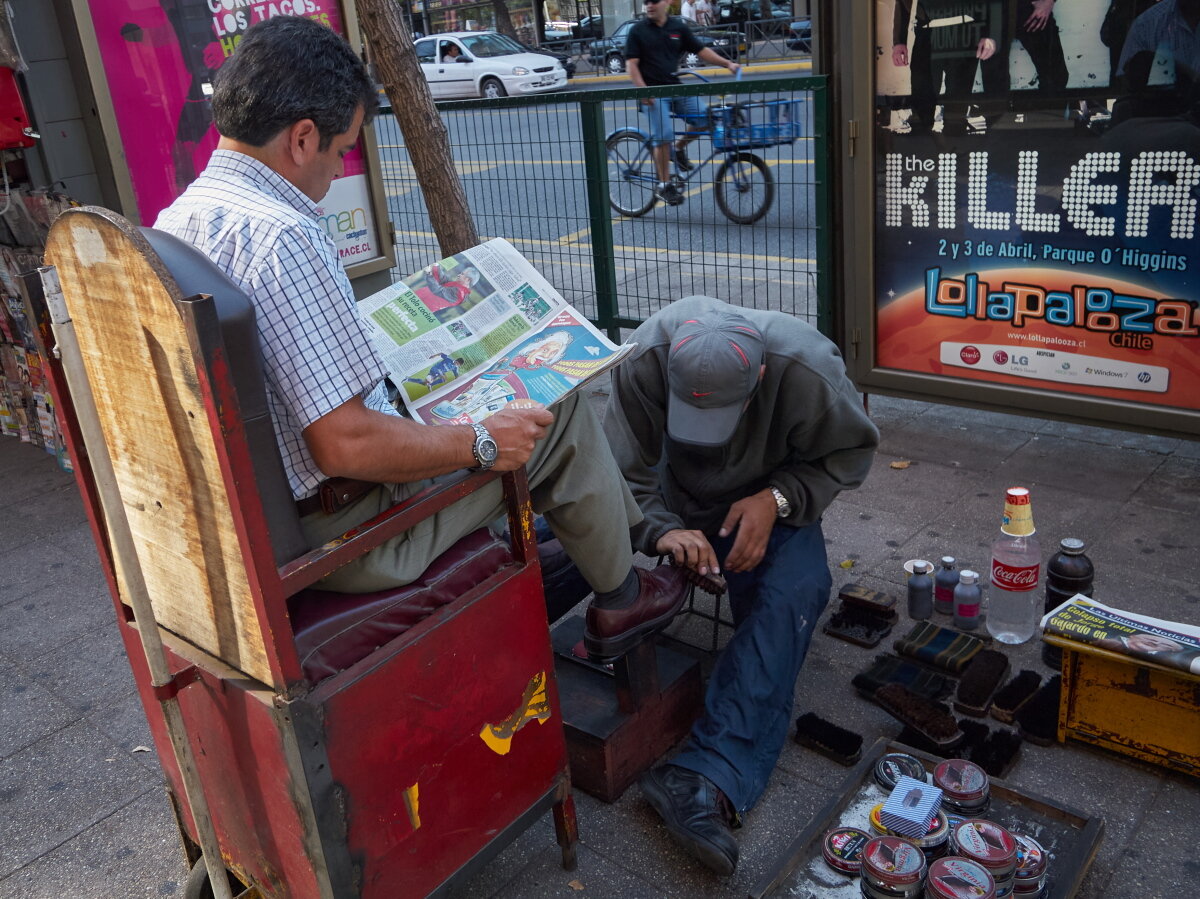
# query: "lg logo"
{"type": "Point", "coordinates": [1000, 357]}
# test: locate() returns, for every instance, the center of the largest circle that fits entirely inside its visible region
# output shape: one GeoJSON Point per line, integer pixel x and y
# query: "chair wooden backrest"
{"type": "Point", "coordinates": [140, 362]}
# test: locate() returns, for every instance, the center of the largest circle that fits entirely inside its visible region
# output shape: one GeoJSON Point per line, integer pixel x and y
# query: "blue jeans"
{"type": "Point", "coordinates": [748, 704]}
{"type": "Point", "coordinates": [661, 129]}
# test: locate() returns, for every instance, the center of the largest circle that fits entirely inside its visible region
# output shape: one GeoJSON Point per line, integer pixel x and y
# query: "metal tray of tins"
{"type": "Point", "coordinates": [1070, 837]}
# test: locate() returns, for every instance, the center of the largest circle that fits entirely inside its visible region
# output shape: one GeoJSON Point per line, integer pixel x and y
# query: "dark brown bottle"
{"type": "Point", "coordinates": [1068, 572]}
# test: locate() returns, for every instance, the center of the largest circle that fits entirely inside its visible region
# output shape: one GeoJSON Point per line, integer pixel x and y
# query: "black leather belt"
{"type": "Point", "coordinates": [333, 495]}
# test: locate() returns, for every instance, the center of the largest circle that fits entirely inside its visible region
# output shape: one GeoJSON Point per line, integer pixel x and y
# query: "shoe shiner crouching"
{"type": "Point", "coordinates": [735, 429]}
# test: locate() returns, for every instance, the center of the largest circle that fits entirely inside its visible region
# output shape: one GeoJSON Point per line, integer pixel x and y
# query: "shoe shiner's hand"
{"type": "Point", "coordinates": [647, 101]}
{"type": "Point", "coordinates": [516, 432]}
{"type": "Point", "coordinates": [690, 549]}
{"type": "Point", "coordinates": [754, 517]}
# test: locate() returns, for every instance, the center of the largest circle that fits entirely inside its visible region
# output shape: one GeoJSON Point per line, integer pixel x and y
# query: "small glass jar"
{"type": "Point", "coordinates": [1032, 865]}
{"type": "Point", "coordinates": [965, 787]}
{"type": "Point", "coordinates": [990, 845]}
{"type": "Point", "coordinates": [955, 877]}
{"type": "Point", "coordinates": [892, 766]}
{"type": "Point", "coordinates": [842, 848]}
{"type": "Point", "coordinates": [892, 868]}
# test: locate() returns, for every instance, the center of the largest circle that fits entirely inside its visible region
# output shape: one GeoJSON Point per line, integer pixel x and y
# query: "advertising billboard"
{"type": "Point", "coordinates": [157, 59]}
{"type": "Point", "coordinates": [1035, 181]}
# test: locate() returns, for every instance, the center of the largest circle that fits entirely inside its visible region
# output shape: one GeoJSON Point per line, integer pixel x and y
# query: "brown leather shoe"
{"type": "Point", "coordinates": [610, 633]}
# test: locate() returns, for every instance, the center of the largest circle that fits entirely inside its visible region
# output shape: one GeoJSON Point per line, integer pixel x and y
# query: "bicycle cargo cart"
{"type": "Point", "coordinates": [743, 184]}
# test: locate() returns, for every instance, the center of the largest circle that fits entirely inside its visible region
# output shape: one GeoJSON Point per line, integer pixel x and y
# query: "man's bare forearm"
{"type": "Point", "coordinates": [353, 441]}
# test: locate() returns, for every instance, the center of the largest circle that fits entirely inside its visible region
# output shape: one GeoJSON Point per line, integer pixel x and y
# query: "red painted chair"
{"type": "Point", "coordinates": [378, 745]}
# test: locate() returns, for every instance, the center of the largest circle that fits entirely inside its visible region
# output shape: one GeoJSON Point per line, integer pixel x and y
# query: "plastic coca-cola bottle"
{"type": "Point", "coordinates": [1015, 603]}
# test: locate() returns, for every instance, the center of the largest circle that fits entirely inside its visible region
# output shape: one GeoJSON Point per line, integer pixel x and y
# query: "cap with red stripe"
{"type": "Point", "coordinates": [711, 370]}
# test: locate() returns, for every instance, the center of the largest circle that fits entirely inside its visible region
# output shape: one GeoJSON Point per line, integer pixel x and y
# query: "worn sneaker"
{"type": "Point", "coordinates": [669, 193]}
{"type": "Point", "coordinates": [681, 160]}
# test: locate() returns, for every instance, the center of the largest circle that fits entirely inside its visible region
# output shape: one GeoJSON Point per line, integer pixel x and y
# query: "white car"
{"type": "Point", "coordinates": [487, 64]}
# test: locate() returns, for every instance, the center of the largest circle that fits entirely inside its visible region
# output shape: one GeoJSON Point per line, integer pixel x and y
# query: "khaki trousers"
{"type": "Point", "coordinates": [573, 481]}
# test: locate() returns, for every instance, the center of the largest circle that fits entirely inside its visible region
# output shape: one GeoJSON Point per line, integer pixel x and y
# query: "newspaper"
{"type": "Point", "coordinates": [481, 330]}
{"type": "Point", "coordinates": [1168, 643]}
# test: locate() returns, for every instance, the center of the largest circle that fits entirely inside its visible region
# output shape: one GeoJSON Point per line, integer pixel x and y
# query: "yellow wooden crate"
{"type": "Point", "coordinates": [1131, 706]}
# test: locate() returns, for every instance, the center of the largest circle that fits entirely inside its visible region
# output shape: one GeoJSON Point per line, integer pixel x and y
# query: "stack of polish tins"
{"type": "Point", "coordinates": [932, 841]}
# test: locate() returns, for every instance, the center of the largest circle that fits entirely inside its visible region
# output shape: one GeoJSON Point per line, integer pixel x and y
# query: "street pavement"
{"type": "Point", "coordinates": [83, 813]}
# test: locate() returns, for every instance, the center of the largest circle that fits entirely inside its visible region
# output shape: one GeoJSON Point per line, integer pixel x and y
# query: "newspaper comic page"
{"type": "Point", "coordinates": [471, 334]}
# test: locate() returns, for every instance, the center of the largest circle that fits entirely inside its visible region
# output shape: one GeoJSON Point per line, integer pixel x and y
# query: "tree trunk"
{"type": "Point", "coordinates": [425, 135]}
{"type": "Point", "coordinates": [504, 22]}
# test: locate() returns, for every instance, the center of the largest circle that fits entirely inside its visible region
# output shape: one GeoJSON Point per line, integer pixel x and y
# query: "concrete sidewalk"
{"type": "Point", "coordinates": [83, 813]}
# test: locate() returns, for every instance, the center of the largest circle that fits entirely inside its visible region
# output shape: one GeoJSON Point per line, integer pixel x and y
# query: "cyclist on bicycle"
{"type": "Point", "coordinates": [652, 53]}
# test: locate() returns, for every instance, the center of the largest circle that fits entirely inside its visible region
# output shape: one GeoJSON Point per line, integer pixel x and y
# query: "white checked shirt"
{"type": "Point", "coordinates": [262, 232]}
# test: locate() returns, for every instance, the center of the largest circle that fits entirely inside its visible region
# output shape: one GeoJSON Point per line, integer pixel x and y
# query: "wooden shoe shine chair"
{"type": "Point", "coordinates": [378, 745]}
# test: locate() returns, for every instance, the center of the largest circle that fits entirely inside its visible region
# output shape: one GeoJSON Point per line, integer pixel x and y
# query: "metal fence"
{"type": "Point", "coordinates": [756, 40]}
{"type": "Point", "coordinates": [537, 171]}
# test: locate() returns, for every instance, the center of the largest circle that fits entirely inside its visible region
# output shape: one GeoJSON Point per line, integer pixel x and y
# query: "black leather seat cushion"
{"type": "Point", "coordinates": [335, 630]}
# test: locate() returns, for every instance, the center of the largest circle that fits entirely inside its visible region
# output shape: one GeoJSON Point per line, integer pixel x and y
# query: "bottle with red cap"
{"type": "Point", "coordinates": [1014, 605]}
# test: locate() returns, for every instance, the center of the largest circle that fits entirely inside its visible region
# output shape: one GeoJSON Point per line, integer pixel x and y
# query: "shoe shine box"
{"type": "Point", "coordinates": [911, 807]}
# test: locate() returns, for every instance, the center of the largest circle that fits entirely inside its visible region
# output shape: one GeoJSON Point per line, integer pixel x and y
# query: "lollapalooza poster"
{"type": "Point", "coordinates": [1037, 178]}
{"type": "Point", "coordinates": [159, 58]}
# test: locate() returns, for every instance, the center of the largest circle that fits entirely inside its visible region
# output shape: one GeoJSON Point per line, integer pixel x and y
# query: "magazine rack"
{"type": "Point", "coordinates": [347, 746]}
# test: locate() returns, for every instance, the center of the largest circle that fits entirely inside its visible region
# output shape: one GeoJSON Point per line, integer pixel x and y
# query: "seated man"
{"type": "Point", "coordinates": [735, 429]}
{"type": "Point", "coordinates": [289, 104]}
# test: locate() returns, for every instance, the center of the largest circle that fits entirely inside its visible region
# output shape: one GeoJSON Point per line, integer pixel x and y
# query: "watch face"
{"type": "Point", "coordinates": [487, 449]}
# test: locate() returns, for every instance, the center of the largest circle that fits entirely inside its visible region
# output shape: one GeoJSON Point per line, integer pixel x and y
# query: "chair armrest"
{"type": "Point", "coordinates": [309, 568]}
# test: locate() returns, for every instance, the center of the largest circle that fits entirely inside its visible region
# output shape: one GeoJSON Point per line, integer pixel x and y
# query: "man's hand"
{"type": "Point", "coordinates": [900, 55]}
{"type": "Point", "coordinates": [690, 548]}
{"type": "Point", "coordinates": [734, 67]}
{"type": "Point", "coordinates": [986, 48]}
{"type": "Point", "coordinates": [754, 517]}
{"type": "Point", "coordinates": [1040, 17]}
{"type": "Point", "coordinates": [516, 432]}
{"type": "Point", "coordinates": [647, 101]}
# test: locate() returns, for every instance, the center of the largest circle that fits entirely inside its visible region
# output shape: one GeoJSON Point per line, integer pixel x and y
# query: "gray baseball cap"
{"type": "Point", "coordinates": [712, 369]}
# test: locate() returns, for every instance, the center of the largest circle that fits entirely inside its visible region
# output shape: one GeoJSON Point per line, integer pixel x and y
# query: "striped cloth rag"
{"type": "Point", "coordinates": [940, 647]}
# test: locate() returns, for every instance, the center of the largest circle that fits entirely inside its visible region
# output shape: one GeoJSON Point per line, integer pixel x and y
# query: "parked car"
{"type": "Point", "coordinates": [489, 64]}
{"type": "Point", "coordinates": [733, 12]}
{"type": "Point", "coordinates": [589, 27]}
{"type": "Point", "coordinates": [567, 62]}
{"type": "Point", "coordinates": [609, 52]}
{"type": "Point", "coordinates": [800, 36]}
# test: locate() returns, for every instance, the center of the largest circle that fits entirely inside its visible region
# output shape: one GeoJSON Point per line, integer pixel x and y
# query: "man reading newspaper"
{"type": "Point", "coordinates": [289, 104]}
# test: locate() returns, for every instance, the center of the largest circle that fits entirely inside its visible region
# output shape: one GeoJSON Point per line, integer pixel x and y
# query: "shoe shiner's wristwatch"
{"type": "Point", "coordinates": [485, 449]}
{"type": "Point", "coordinates": [782, 507]}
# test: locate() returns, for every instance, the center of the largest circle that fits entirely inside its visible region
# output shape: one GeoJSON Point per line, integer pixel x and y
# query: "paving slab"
{"type": "Point", "coordinates": [58, 788]}
{"type": "Point", "coordinates": [133, 852]}
{"type": "Point", "coordinates": [53, 616]}
{"type": "Point", "coordinates": [29, 712]}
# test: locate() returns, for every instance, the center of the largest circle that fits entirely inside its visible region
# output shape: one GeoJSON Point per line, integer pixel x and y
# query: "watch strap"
{"type": "Point", "coordinates": [783, 508]}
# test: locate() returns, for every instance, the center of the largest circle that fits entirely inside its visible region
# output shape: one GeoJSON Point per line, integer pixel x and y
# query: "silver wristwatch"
{"type": "Point", "coordinates": [485, 449]}
{"type": "Point", "coordinates": [782, 507]}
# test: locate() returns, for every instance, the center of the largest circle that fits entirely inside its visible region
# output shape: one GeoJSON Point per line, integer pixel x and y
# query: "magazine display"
{"type": "Point", "coordinates": [481, 330]}
{"type": "Point", "coordinates": [1168, 643]}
